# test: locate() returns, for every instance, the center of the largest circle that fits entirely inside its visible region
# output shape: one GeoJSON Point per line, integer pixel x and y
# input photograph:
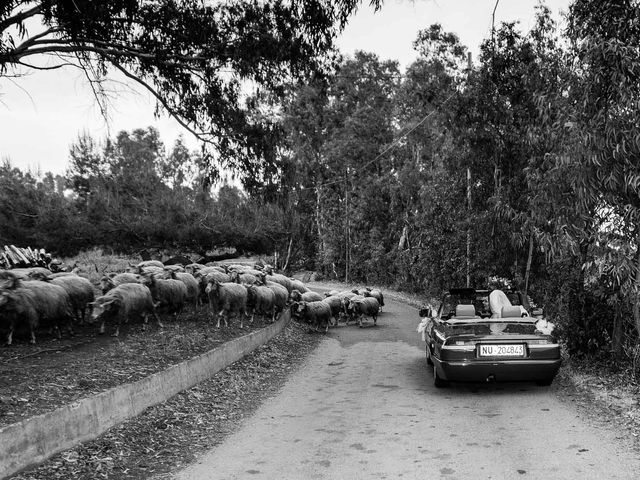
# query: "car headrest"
{"type": "Point", "coordinates": [468, 311]}
{"type": "Point", "coordinates": [511, 312]}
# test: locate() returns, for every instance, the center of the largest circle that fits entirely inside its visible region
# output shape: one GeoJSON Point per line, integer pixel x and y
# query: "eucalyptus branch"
{"type": "Point", "coordinates": [19, 17]}
{"type": "Point", "coordinates": [200, 135]}
{"type": "Point", "coordinates": [54, 67]}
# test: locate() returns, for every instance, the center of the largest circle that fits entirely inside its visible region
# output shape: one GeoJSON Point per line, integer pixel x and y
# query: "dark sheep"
{"type": "Point", "coordinates": [347, 297]}
{"type": "Point", "coordinates": [261, 300]}
{"type": "Point", "coordinates": [335, 303]}
{"type": "Point", "coordinates": [363, 306]}
{"type": "Point", "coordinates": [178, 260]}
{"type": "Point", "coordinates": [17, 308]}
{"type": "Point", "coordinates": [316, 314]}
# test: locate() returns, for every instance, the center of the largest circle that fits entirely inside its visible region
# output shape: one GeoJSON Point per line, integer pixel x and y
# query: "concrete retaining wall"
{"type": "Point", "coordinates": [35, 439]}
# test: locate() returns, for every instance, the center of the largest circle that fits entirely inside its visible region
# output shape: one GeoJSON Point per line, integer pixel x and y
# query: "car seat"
{"type": "Point", "coordinates": [511, 312]}
{"type": "Point", "coordinates": [465, 311]}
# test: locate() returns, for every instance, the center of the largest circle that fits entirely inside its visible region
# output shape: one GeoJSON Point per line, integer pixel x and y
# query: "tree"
{"type": "Point", "coordinates": [197, 58]}
{"type": "Point", "coordinates": [605, 38]}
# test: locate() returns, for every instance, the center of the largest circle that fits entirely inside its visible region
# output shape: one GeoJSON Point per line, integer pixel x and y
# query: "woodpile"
{"type": "Point", "coordinates": [15, 257]}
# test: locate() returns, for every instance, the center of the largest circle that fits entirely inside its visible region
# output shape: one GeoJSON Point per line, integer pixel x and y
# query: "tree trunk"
{"type": "Point", "coordinates": [528, 270]}
{"type": "Point", "coordinates": [286, 263]}
{"type": "Point", "coordinates": [319, 225]}
{"type": "Point", "coordinates": [636, 300]}
{"type": "Point", "coordinates": [347, 253]}
{"type": "Point", "coordinates": [469, 227]}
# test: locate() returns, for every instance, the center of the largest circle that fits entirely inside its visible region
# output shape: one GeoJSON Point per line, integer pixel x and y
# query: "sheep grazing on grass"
{"type": "Point", "coordinates": [315, 314]}
{"type": "Point", "coordinates": [229, 298]}
{"type": "Point", "coordinates": [261, 300]}
{"type": "Point", "coordinates": [114, 279]}
{"type": "Point", "coordinates": [123, 303]}
{"type": "Point", "coordinates": [363, 306]}
{"type": "Point", "coordinates": [168, 294]}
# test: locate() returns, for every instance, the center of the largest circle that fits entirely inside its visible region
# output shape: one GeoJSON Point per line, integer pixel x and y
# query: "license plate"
{"type": "Point", "coordinates": [516, 350]}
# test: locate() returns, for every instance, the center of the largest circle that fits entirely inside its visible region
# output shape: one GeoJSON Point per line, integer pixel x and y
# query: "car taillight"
{"type": "Point", "coordinates": [461, 343]}
{"type": "Point", "coordinates": [542, 341]}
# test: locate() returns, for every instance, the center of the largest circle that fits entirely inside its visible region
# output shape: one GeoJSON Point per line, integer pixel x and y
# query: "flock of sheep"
{"type": "Point", "coordinates": [35, 297]}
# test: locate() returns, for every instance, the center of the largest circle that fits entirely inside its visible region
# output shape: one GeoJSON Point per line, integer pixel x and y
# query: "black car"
{"type": "Point", "coordinates": [468, 340]}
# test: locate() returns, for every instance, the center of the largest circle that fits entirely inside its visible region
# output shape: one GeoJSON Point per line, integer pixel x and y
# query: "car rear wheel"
{"type": "Point", "coordinates": [428, 354]}
{"type": "Point", "coordinates": [438, 381]}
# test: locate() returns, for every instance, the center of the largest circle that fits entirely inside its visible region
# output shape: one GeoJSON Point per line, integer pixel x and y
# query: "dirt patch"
{"type": "Point", "coordinates": [606, 396]}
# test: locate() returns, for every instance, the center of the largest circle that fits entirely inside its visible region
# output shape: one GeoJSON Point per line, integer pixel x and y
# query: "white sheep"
{"type": "Point", "coordinates": [123, 303]}
{"type": "Point", "coordinates": [230, 298]}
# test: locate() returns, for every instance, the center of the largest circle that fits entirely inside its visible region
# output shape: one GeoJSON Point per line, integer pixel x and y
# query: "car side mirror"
{"type": "Point", "coordinates": [537, 312]}
{"type": "Point", "coordinates": [425, 312]}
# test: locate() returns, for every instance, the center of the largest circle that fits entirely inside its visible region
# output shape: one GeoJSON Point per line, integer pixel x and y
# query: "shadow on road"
{"type": "Point", "coordinates": [422, 376]}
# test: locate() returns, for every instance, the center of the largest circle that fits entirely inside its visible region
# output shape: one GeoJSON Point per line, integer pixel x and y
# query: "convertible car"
{"type": "Point", "coordinates": [486, 336]}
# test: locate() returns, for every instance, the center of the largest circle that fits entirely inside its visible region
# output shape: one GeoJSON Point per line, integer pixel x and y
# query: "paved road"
{"type": "Point", "coordinates": [363, 406]}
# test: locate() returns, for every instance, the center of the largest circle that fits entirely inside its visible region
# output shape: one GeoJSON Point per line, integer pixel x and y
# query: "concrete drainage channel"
{"type": "Point", "coordinates": [35, 439]}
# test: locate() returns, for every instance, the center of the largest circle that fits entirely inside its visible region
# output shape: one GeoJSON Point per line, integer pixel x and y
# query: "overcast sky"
{"type": "Point", "coordinates": [42, 114]}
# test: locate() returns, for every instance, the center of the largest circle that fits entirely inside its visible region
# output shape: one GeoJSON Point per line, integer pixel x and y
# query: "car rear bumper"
{"type": "Point", "coordinates": [501, 371]}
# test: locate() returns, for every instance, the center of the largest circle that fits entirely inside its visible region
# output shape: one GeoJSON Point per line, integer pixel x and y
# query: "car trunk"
{"type": "Point", "coordinates": [489, 339]}
{"type": "Point", "coordinates": [495, 330]}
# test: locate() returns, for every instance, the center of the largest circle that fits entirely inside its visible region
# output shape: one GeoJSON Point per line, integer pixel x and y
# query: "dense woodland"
{"type": "Point", "coordinates": [523, 164]}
